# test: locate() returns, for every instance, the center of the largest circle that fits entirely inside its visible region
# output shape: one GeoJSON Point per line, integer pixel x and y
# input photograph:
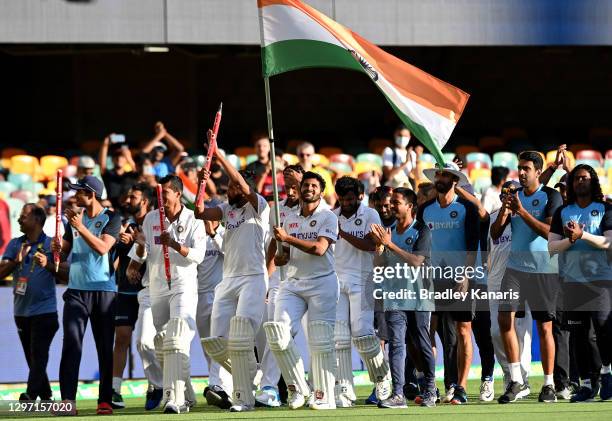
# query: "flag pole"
{"type": "Point", "coordinates": [273, 155]}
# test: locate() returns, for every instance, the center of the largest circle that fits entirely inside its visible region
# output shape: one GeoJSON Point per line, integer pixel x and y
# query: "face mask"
{"type": "Point", "coordinates": [402, 141]}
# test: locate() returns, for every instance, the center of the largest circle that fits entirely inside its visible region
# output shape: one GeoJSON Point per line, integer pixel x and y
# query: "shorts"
{"type": "Point", "coordinates": [126, 310]}
{"type": "Point", "coordinates": [594, 296]}
{"type": "Point", "coordinates": [540, 290]}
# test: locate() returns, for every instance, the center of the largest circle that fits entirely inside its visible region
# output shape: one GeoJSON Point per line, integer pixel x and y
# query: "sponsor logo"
{"type": "Point", "coordinates": [319, 394]}
{"type": "Point", "coordinates": [535, 202]}
{"type": "Point", "coordinates": [358, 222]}
{"type": "Point", "coordinates": [156, 228]}
{"type": "Point", "coordinates": [156, 239]}
{"type": "Point", "coordinates": [294, 225]}
{"type": "Point", "coordinates": [233, 226]}
{"type": "Point", "coordinates": [313, 223]}
{"type": "Point", "coordinates": [594, 212]}
{"type": "Point", "coordinates": [454, 214]}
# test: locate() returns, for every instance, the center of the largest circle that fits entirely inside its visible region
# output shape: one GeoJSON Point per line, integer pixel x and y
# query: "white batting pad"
{"type": "Point", "coordinates": [323, 363]}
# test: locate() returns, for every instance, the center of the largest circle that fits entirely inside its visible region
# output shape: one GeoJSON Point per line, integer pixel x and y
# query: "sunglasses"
{"type": "Point", "coordinates": [304, 155]}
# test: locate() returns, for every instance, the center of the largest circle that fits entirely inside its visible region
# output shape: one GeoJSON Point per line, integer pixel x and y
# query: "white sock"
{"type": "Point", "coordinates": [117, 384]}
{"type": "Point", "coordinates": [586, 383]}
{"type": "Point", "coordinates": [605, 369]}
{"type": "Point", "coordinates": [515, 373]}
{"type": "Point", "coordinates": [420, 375]}
{"type": "Point", "coordinates": [548, 380]}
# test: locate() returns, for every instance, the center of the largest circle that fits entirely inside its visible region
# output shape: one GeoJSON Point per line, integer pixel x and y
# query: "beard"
{"type": "Point", "coordinates": [443, 188]}
{"type": "Point", "coordinates": [314, 198]}
{"type": "Point", "coordinates": [131, 210]}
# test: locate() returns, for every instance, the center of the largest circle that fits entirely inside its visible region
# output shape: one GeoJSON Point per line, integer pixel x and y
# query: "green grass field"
{"type": "Point", "coordinates": [527, 409]}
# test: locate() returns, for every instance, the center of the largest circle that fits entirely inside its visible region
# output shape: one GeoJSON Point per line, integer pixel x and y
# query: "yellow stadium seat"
{"type": "Point", "coordinates": [244, 151]}
{"type": "Point", "coordinates": [49, 165]}
{"type": "Point", "coordinates": [290, 159]}
{"type": "Point", "coordinates": [600, 172]}
{"type": "Point", "coordinates": [477, 173]}
{"type": "Point", "coordinates": [551, 155]}
{"type": "Point", "coordinates": [320, 160]}
{"type": "Point", "coordinates": [24, 164]}
{"type": "Point", "coordinates": [364, 167]}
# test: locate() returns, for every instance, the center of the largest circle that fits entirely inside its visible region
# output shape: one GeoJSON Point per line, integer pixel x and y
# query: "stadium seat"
{"type": "Point", "coordinates": [19, 180]}
{"type": "Point", "coordinates": [370, 157]}
{"type": "Point", "coordinates": [578, 147]}
{"type": "Point", "coordinates": [590, 154]}
{"type": "Point", "coordinates": [340, 168]}
{"type": "Point", "coordinates": [427, 157]}
{"type": "Point", "coordinates": [478, 157]}
{"type": "Point", "coordinates": [608, 164]}
{"type": "Point", "coordinates": [366, 167]}
{"type": "Point", "coordinates": [463, 150]}
{"type": "Point", "coordinates": [319, 160]}
{"type": "Point", "coordinates": [6, 188]}
{"type": "Point", "coordinates": [244, 151]}
{"type": "Point", "coordinates": [11, 152]}
{"type": "Point", "coordinates": [24, 164]}
{"type": "Point", "coordinates": [476, 165]}
{"type": "Point", "coordinates": [234, 160]}
{"type": "Point", "coordinates": [343, 158]}
{"type": "Point", "coordinates": [250, 158]}
{"type": "Point", "coordinates": [609, 154]}
{"type": "Point", "coordinates": [592, 162]}
{"type": "Point", "coordinates": [26, 196]}
{"type": "Point", "coordinates": [449, 156]}
{"type": "Point", "coordinates": [328, 151]}
{"type": "Point", "coordinates": [291, 159]}
{"type": "Point", "coordinates": [491, 144]}
{"type": "Point", "coordinates": [505, 159]}
{"type": "Point", "coordinates": [49, 165]}
{"type": "Point", "coordinates": [15, 206]}
{"type": "Point", "coordinates": [481, 184]}
{"type": "Point", "coordinates": [477, 173]}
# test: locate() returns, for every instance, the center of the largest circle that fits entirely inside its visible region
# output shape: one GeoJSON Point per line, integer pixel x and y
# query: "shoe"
{"type": "Point", "coordinates": [547, 394]}
{"type": "Point", "coordinates": [25, 397]}
{"type": "Point", "coordinates": [513, 392]}
{"type": "Point", "coordinates": [585, 394]}
{"type": "Point", "coordinates": [394, 402]}
{"type": "Point", "coordinates": [154, 397]}
{"type": "Point", "coordinates": [411, 391]}
{"type": "Point", "coordinates": [460, 397]}
{"type": "Point", "coordinates": [241, 408]}
{"type": "Point", "coordinates": [295, 399]}
{"type": "Point", "coordinates": [563, 392]}
{"type": "Point", "coordinates": [372, 399]}
{"type": "Point", "coordinates": [428, 399]}
{"type": "Point", "coordinates": [487, 392]}
{"type": "Point", "coordinates": [172, 408]}
{"type": "Point", "coordinates": [268, 397]}
{"type": "Point", "coordinates": [216, 396]}
{"type": "Point", "coordinates": [104, 408]}
{"type": "Point", "coordinates": [383, 389]}
{"type": "Point", "coordinates": [606, 387]}
{"type": "Point", "coordinates": [419, 398]}
{"type": "Point", "coordinates": [117, 401]}
{"type": "Point", "coordinates": [448, 394]}
{"type": "Point", "coordinates": [342, 398]}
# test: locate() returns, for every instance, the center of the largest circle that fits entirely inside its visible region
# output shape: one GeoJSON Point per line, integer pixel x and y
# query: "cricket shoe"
{"type": "Point", "coordinates": [460, 396]}
{"type": "Point", "coordinates": [394, 402]}
{"type": "Point", "coordinates": [154, 397]}
{"type": "Point", "coordinates": [295, 399]}
{"type": "Point", "coordinates": [547, 394]}
{"type": "Point", "coordinates": [487, 392]}
{"type": "Point", "coordinates": [585, 394]}
{"type": "Point", "coordinates": [514, 391]}
{"type": "Point", "coordinates": [216, 396]}
{"type": "Point", "coordinates": [172, 407]}
{"type": "Point", "coordinates": [606, 387]}
{"type": "Point", "coordinates": [268, 397]}
{"type": "Point", "coordinates": [117, 401]}
{"type": "Point", "coordinates": [448, 394]}
{"type": "Point", "coordinates": [383, 389]}
{"type": "Point", "coordinates": [372, 399]}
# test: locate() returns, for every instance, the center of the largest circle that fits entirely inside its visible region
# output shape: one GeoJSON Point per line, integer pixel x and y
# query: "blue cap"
{"type": "Point", "coordinates": [89, 183]}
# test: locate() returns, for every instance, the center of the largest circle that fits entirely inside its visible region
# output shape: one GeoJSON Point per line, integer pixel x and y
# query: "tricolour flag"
{"type": "Point", "coordinates": [297, 36]}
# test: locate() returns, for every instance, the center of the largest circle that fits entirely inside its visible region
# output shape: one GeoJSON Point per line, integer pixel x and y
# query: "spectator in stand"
{"type": "Point", "coordinates": [264, 182]}
{"type": "Point", "coordinates": [49, 226]}
{"type": "Point", "coordinates": [400, 162]}
{"type": "Point", "coordinates": [427, 192]}
{"type": "Point", "coordinates": [117, 180]}
{"type": "Point", "coordinates": [305, 153]}
{"type": "Point", "coordinates": [85, 166]}
{"type": "Point", "coordinates": [5, 226]}
{"type": "Point", "coordinates": [145, 170]}
{"type": "Point", "coordinates": [219, 177]}
{"type": "Point", "coordinates": [262, 150]}
{"type": "Point", "coordinates": [491, 199]}
{"type": "Point", "coordinates": [164, 157]}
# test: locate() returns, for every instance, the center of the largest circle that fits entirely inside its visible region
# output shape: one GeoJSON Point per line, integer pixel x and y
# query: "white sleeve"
{"type": "Point", "coordinates": [372, 218]}
{"type": "Point", "coordinates": [329, 227]}
{"type": "Point", "coordinates": [134, 256]}
{"type": "Point", "coordinates": [262, 206]}
{"type": "Point", "coordinates": [224, 208]}
{"type": "Point", "coordinates": [387, 157]}
{"type": "Point", "coordinates": [197, 249]}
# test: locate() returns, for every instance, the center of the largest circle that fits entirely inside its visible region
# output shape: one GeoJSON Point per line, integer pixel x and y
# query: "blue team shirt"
{"type": "Point", "coordinates": [454, 231]}
{"type": "Point", "coordinates": [39, 295]}
{"type": "Point", "coordinates": [529, 251]}
{"type": "Point", "coordinates": [583, 262]}
{"type": "Point", "coordinates": [90, 271]}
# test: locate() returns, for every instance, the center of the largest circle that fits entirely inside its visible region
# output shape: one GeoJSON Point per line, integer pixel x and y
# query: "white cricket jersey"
{"type": "Point", "coordinates": [323, 222]}
{"type": "Point", "coordinates": [187, 231]}
{"type": "Point", "coordinates": [349, 259]}
{"type": "Point", "coordinates": [284, 211]}
{"type": "Point", "coordinates": [246, 229]}
{"type": "Point", "coordinates": [210, 271]}
{"type": "Point", "coordinates": [499, 251]}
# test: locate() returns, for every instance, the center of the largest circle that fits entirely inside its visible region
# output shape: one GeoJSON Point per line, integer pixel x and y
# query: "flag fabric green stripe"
{"type": "Point", "coordinates": [284, 56]}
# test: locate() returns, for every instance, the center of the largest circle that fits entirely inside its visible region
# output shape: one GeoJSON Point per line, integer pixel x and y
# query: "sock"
{"type": "Point", "coordinates": [606, 369]}
{"type": "Point", "coordinates": [548, 380]}
{"type": "Point", "coordinates": [515, 373]}
{"type": "Point", "coordinates": [117, 384]}
{"type": "Point", "coordinates": [419, 375]}
{"type": "Point", "coordinates": [586, 383]}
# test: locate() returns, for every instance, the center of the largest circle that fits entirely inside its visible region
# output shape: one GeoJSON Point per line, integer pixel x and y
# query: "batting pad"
{"type": "Point", "coordinates": [176, 360]}
{"type": "Point", "coordinates": [322, 361]}
{"type": "Point", "coordinates": [244, 366]}
{"type": "Point", "coordinates": [287, 356]}
{"type": "Point", "coordinates": [344, 376]}
{"type": "Point", "coordinates": [216, 348]}
{"type": "Point", "coordinates": [158, 341]}
{"type": "Point", "coordinates": [373, 357]}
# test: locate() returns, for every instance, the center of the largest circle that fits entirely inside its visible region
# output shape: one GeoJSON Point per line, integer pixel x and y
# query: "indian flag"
{"type": "Point", "coordinates": [296, 36]}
